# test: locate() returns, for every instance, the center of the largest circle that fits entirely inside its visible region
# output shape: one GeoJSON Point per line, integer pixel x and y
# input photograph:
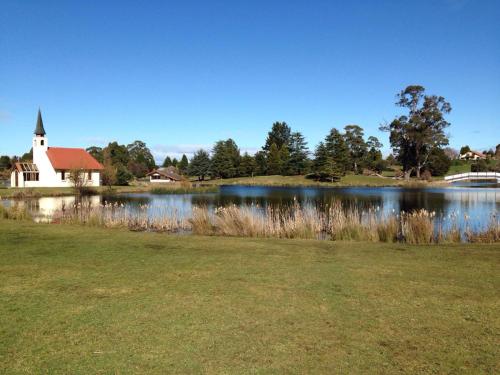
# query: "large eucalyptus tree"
{"type": "Point", "coordinates": [414, 136]}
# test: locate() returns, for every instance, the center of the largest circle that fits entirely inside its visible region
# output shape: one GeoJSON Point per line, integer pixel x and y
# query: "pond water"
{"type": "Point", "coordinates": [478, 202]}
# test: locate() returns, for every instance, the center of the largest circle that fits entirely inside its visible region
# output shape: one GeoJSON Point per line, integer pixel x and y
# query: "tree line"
{"type": "Point", "coordinates": [286, 152]}
{"type": "Point", "coordinates": [418, 140]}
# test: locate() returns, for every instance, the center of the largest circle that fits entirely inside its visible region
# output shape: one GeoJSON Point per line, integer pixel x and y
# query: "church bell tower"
{"type": "Point", "coordinates": [39, 140]}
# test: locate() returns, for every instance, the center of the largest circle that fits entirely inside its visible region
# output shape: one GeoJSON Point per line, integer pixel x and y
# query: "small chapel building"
{"type": "Point", "coordinates": [51, 166]}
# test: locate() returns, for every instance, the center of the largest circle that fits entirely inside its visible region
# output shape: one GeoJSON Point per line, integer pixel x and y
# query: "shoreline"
{"type": "Point", "coordinates": [212, 186]}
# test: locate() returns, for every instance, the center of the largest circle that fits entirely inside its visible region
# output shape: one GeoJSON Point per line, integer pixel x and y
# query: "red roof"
{"type": "Point", "coordinates": [72, 158]}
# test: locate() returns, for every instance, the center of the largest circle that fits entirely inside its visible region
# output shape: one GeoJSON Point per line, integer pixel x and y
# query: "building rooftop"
{"type": "Point", "coordinates": [72, 158]}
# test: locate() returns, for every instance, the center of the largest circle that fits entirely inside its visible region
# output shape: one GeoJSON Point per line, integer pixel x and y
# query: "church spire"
{"type": "Point", "coordinates": [39, 130]}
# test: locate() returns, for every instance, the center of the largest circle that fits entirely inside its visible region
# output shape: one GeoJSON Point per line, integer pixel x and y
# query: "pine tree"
{"type": "Point", "coordinates": [285, 161]}
{"type": "Point", "coordinates": [337, 149]}
{"type": "Point", "coordinates": [273, 160]}
{"type": "Point", "coordinates": [261, 163]}
{"type": "Point", "coordinates": [225, 159]}
{"type": "Point", "coordinates": [356, 145]}
{"type": "Point", "coordinates": [331, 171]}
{"type": "Point", "coordinates": [247, 165]}
{"type": "Point", "coordinates": [167, 162]}
{"type": "Point", "coordinates": [234, 155]}
{"type": "Point", "coordinates": [279, 135]}
{"type": "Point", "coordinates": [183, 164]}
{"type": "Point", "coordinates": [200, 165]}
{"type": "Point", "coordinates": [321, 156]}
{"type": "Point", "coordinates": [299, 162]}
{"type": "Point", "coordinates": [324, 167]}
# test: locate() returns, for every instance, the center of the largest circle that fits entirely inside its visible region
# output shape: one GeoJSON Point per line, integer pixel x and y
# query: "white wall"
{"type": "Point", "coordinates": [56, 180]}
{"type": "Point", "coordinates": [469, 155]}
{"type": "Point", "coordinates": [96, 179]}
{"type": "Point", "coordinates": [159, 181]}
{"type": "Point", "coordinates": [53, 180]}
{"type": "Point", "coordinates": [20, 181]}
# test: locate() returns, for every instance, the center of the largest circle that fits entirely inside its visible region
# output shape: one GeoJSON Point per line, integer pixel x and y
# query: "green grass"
{"type": "Point", "coordinates": [61, 191]}
{"type": "Point", "coordinates": [459, 167]}
{"type": "Point", "coordinates": [77, 300]}
{"type": "Point", "coordinates": [348, 180]}
{"type": "Point", "coordinates": [464, 166]}
{"type": "Point", "coordinates": [180, 189]}
{"type": "Point", "coordinates": [66, 191]}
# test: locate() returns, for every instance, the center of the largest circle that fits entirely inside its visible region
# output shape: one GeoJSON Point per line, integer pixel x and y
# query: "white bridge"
{"type": "Point", "coordinates": [474, 176]}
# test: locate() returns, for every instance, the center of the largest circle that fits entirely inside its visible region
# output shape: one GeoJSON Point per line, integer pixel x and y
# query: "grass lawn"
{"type": "Point", "coordinates": [62, 191]}
{"type": "Point", "coordinates": [457, 168]}
{"type": "Point", "coordinates": [66, 191]}
{"type": "Point", "coordinates": [348, 180]}
{"type": "Point", "coordinates": [77, 300]}
{"type": "Point", "coordinates": [464, 166]}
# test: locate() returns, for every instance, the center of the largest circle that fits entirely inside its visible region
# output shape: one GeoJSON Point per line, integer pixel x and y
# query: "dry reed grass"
{"type": "Point", "coordinates": [417, 227]}
{"type": "Point", "coordinates": [119, 216]}
{"type": "Point", "coordinates": [490, 235]}
{"type": "Point", "coordinates": [332, 222]}
{"type": "Point", "coordinates": [15, 213]}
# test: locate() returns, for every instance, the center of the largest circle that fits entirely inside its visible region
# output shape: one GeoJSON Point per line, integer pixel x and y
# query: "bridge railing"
{"type": "Point", "coordinates": [474, 175]}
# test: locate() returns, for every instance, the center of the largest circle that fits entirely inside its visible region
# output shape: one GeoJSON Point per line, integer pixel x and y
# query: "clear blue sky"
{"type": "Point", "coordinates": [183, 74]}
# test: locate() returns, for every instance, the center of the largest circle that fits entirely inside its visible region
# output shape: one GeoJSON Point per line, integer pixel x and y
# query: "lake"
{"type": "Point", "coordinates": [478, 201]}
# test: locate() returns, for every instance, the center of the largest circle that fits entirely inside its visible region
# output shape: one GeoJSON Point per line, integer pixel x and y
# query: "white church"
{"type": "Point", "coordinates": [51, 166]}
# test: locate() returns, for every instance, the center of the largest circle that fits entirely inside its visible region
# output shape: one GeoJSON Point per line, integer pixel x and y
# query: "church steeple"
{"type": "Point", "coordinates": [39, 130]}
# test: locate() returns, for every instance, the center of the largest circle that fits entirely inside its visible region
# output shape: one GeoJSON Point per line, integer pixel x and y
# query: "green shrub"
{"type": "Point", "coordinates": [479, 166]}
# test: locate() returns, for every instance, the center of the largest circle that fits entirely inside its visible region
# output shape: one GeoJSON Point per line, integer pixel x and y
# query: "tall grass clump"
{"type": "Point", "coordinates": [15, 212]}
{"type": "Point", "coordinates": [490, 234]}
{"type": "Point", "coordinates": [201, 221]}
{"type": "Point", "coordinates": [238, 221]}
{"type": "Point", "coordinates": [119, 216]}
{"type": "Point", "coordinates": [448, 230]}
{"type": "Point", "coordinates": [417, 227]}
{"type": "Point", "coordinates": [388, 229]}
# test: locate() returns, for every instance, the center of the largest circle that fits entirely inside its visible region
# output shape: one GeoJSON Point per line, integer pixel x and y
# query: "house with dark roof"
{"type": "Point", "coordinates": [472, 155]}
{"type": "Point", "coordinates": [51, 166]}
{"type": "Point", "coordinates": [168, 174]}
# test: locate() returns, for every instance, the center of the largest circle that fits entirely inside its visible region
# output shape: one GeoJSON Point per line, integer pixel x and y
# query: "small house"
{"type": "Point", "coordinates": [472, 155]}
{"type": "Point", "coordinates": [168, 174]}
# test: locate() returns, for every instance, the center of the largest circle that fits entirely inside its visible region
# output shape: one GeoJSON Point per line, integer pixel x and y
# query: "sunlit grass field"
{"type": "Point", "coordinates": [170, 188]}
{"type": "Point", "coordinates": [78, 300]}
{"type": "Point", "coordinates": [277, 180]}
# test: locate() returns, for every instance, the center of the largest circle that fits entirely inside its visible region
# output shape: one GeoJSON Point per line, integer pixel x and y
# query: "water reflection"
{"type": "Point", "coordinates": [477, 203]}
{"type": "Point", "coordinates": [44, 208]}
